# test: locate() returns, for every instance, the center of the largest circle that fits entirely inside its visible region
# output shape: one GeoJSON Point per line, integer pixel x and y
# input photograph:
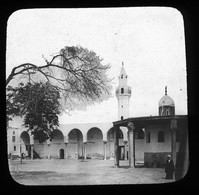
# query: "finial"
{"type": "Point", "coordinates": [166, 90]}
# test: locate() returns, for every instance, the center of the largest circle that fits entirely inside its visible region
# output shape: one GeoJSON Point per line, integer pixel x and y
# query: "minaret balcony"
{"type": "Point", "coordinates": [123, 91]}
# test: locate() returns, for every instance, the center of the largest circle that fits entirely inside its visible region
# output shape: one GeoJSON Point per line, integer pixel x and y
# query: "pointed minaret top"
{"type": "Point", "coordinates": [166, 90]}
{"type": "Point", "coordinates": [123, 72]}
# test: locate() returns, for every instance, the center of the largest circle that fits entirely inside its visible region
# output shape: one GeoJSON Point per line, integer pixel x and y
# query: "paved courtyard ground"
{"type": "Point", "coordinates": [76, 172]}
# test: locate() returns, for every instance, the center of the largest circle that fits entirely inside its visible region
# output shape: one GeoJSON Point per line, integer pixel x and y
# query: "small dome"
{"type": "Point", "coordinates": [166, 101]}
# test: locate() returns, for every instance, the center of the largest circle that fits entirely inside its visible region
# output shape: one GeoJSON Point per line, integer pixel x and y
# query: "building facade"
{"type": "Point", "coordinates": [138, 140]}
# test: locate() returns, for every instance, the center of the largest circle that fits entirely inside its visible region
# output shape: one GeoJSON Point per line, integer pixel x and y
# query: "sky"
{"type": "Point", "coordinates": [148, 40]}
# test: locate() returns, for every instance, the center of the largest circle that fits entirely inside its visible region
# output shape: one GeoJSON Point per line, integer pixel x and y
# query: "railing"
{"type": "Point", "coordinates": [127, 91]}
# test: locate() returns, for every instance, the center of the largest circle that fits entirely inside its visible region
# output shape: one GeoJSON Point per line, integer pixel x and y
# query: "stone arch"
{"type": "Point", "coordinates": [56, 144]}
{"type": "Point", "coordinates": [57, 136]}
{"type": "Point", "coordinates": [110, 134]}
{"type": "Point", "coordinates": [110, 143]}
{"type": "Point", "coordinates": [139, 133]}
{"type": "Point", "coordinates": [94, 146]}
{"type": "Point", "coordinates": [25, 137]}
{"type": "Point", "coordinates": [75, 142]}
{"type": "Point", "coordinates": [139, 145]}
{"type": "Point", "coordinates": [25, 144]}
{"type": "Point", "coordinates": [94, 133]}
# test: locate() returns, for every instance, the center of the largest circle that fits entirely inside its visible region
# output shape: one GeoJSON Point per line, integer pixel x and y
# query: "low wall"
{"type": "Point", "coordinates": [155, 160]}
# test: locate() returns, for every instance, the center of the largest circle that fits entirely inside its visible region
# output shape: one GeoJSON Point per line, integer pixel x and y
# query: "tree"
{"type": "Point", "coordinates": [77, 72]}
{"type": "Point", "coordinates": [40, 106]}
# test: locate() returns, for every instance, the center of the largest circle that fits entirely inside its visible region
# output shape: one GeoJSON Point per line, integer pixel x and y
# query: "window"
{"type": "Point", "coordinates": [167, 112]}
{"type": "Point", "coordinates": [122, 76]}
{"type": "Point", "coordinates": [15, 148]}
{"type": "Point", "coordinates": [13, 138]}
{"type": "Point", "coordinates": [122, 106]}
{"type": "Point", "coordinates": [122, 90]}
{"type": "Point", "coordinates": [121, 117]}
{"type": "Point", "coordinates": [13, 132]}
{"type": "Point", "coordinates": [161, 136]}
{"type": "Point", "coordinates": [148, 138]}
{"type": "Point", "coordinates": [140, 134]}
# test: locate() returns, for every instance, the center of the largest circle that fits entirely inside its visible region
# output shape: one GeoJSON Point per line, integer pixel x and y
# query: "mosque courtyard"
{"type": "Point", "coordinates": [78, 172]}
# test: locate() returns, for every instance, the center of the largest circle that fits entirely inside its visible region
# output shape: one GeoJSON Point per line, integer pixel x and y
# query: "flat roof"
{"type": "Point", "coordinates": [149, 119]}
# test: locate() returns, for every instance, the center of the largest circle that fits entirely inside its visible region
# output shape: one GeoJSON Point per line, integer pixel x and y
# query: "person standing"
{"type": "Point", "coordinates": [169, 168]}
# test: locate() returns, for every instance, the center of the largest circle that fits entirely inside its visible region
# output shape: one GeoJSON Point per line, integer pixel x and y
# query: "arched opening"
{"type": "Point", "coordinates": [57, 143]}
{"type": "Point", "coordinates": [75, 141]}
{"type": "Point", "coordinates": [122, 90]}
{"type": "Point", "coordinates": [139, 145]}
{"type": "Point", "coordinates": [61, 153]}
{"type": "Point", "coordinates": [25, 144]}
{"type": "Point", "coordinates": [160, 136]}
{"type": "Point", "coordinates": [95, 147]}
{"type": "Point", "coordinates": [166, 110]}
{"type": "Point", "coordinates": [139, 134]}
{"type": "Point", "coordinates": [121, 146]}
{"type": "Point", "coordinates": [57, 136]}
{"type": "Point", "coordinates": [110, 145]}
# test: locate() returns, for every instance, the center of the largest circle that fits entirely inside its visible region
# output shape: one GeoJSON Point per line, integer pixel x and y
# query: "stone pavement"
{"type": "Point", "coordinates": [76, 172]}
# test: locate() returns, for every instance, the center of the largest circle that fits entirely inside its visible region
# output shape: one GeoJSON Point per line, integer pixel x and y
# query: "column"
{"type": "Point", "coordinates": [125, 149]}
{"type": "Point", "coordinates": [116, 146]}
{"type": "Point", "coordinates": [104, 149]}
{"type": "Point", "coordinates": [66, 144]}
{"type": "Point", "coordinates": [48, 144]}
{"type": "Point", "coordinates": [173, 140]}
{"type": "Point", "coordinates": [31, 151]}
{"type": "Point", "coordinates": [31, 146]}
{"type": "Point", "coordinates": [131, 144]}
{"type": "Point", "coordinates": [85, 150]}
{"type": "Point", "coordinates": [82, 147]}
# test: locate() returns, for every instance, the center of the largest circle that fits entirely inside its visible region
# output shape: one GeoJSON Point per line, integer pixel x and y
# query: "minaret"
{"type": "Point", "coordinates": [123, 94]}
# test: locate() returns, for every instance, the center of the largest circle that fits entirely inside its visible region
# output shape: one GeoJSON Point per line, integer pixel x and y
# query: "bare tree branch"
{"type": "Point", "coordinates": [77, 72]}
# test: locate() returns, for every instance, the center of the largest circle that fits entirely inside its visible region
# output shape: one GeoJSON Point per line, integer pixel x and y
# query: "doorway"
{"type": "Point", "coordinates": [121, 152]}
{"type": "Point", "coordinates": [61, 153]}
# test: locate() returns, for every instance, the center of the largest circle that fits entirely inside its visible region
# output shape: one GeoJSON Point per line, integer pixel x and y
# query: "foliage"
{"type": "Point", "coordinates": [39, 104]}
{"type": "Point", "coordinates": [73, 79]}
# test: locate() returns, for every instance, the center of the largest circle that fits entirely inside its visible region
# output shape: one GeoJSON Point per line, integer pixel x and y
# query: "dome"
{"type": "Point", "coordinates": [166, 101]}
